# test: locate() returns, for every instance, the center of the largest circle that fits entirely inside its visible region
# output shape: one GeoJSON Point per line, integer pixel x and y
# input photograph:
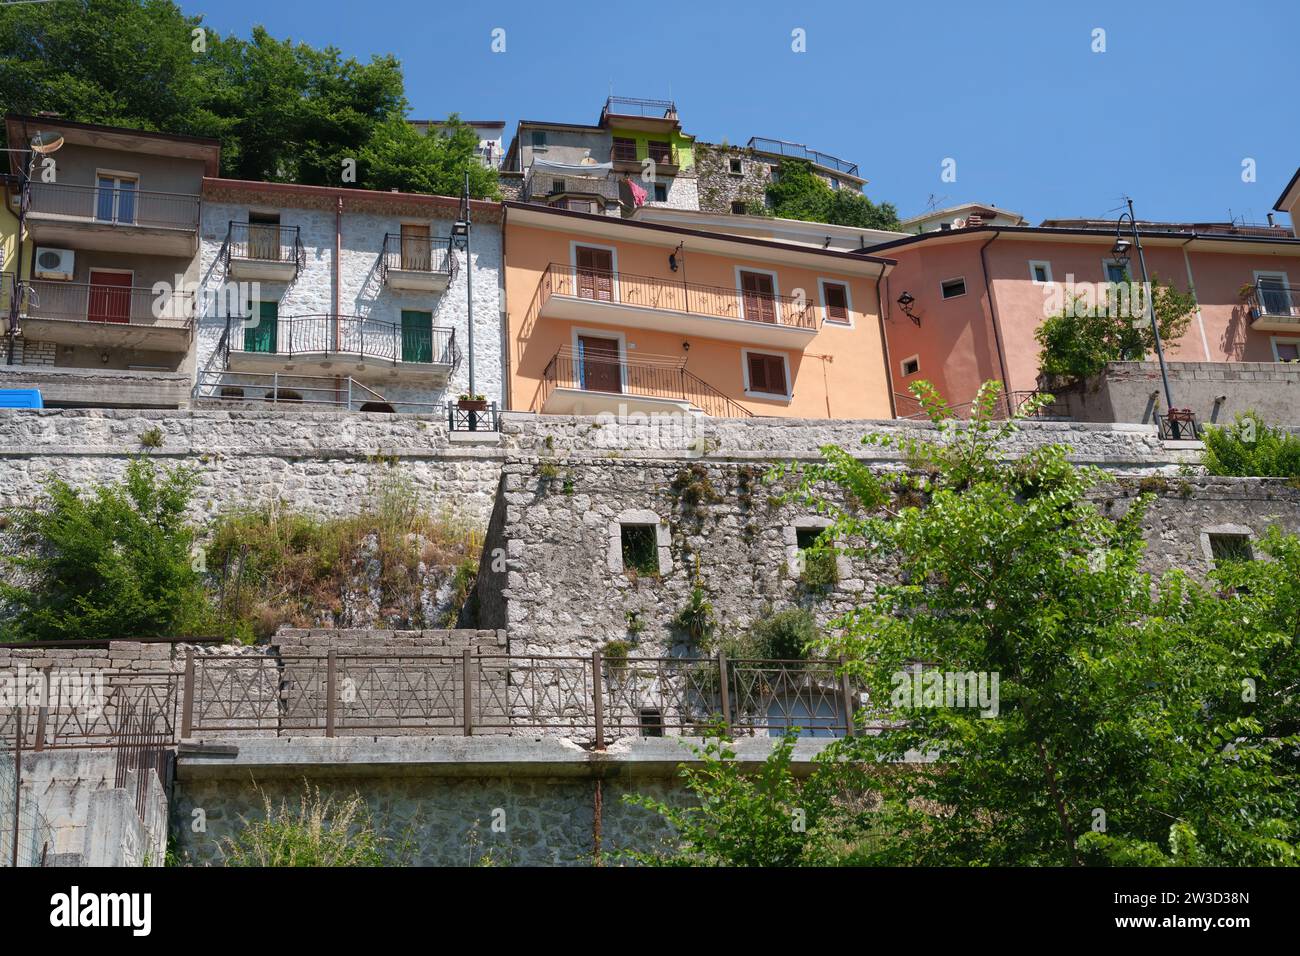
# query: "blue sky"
{"type": "Point", "coordinates": [1035, 120]}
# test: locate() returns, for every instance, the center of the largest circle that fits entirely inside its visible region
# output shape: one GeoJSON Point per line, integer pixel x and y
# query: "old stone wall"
{"type": "Point", "coordinates": [564, 588]}
{"type": "Point", "coordinates": [719, 187]}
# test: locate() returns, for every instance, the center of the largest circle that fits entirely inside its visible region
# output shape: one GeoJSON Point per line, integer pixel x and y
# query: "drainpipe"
{"type": "Point", "coordinates": [993, 317]}
{"type": "Point", "coordinates": [884, 344]}
{"type": "Point", "coordinates": [338, 254]}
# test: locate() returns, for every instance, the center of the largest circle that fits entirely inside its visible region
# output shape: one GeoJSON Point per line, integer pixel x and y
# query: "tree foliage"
{"type": "Point", "coordinates": [110, 563]}
{"type": "Point", "coordinates": [283, 111]}
{"type": "Point", "coordinates": [1077, 342]}
{"type": "Point", "coordinates": [1251, 447]}
{"type": "Point", "coordinates": [801, 194]}
{"type": "Point", "coordinates": [1140, 720]}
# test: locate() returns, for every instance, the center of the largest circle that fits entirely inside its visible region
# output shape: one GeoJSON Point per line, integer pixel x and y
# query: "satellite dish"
{"type": "Point", "coordinates": [46, 143]}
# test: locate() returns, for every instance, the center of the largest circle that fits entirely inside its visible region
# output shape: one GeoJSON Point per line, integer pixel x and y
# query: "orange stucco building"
{"type": "Point", "coordinates": [607, 314]}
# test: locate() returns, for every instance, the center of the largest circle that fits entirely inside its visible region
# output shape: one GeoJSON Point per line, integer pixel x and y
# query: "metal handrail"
{"type": "Point", "coordinates": [126, 305]}
{"type": "Point", "coordinates": [431, 254]}
{"type": "Point", "coordinates": [666, 378]}
{"type": "Point", "coordinates": [263, 242]}
{"type": "Point", "coordinates": [324, 333]}
{"type": "Point", "coordinates": [675, 295]}
{"type": "Point", "coordinates": [635, 106]}
{"type": "Point", "coordinates": [115, 206]}
{"type": "Point", "coordinates": [798, 151]}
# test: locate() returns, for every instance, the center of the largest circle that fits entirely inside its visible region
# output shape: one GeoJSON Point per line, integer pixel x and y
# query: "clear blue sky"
{"type": "Point", "coordinates": [1035, 120]}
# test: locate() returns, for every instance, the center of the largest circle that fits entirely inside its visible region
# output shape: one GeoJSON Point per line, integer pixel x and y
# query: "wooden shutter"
{"type": "Point", "coordinates": [759, 295]}
{"type": "Point", "coordinates": [837, 302]}
{"type": "Point", "coordinates": [595, 273]}
{"type": "Point", "coordinates": [766, 373]}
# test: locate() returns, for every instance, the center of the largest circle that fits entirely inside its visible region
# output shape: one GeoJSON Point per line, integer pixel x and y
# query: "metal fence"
{"type": "Point", "coordinates": [325, 334]}
{"type": "Point", "coordinates": [419, 254]}
{"type": "Point", "coordinates": [26, 837]}
{"type": "Point", "coordinates": [799, 151]}
{"type": "Point", "coordinates": [127, 305]}
{"type": "Point", "coordinates": [264, 242]}
{"type": "Point", "coordinates": [120, 206]}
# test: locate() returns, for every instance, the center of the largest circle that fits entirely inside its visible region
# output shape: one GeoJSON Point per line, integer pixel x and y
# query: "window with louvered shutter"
{"type": "Point", "coordinates": [837, 302]}
{"type": "Point", "coordinates": [766, 373]}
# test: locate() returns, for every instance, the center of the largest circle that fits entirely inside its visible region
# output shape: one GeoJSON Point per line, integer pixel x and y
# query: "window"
{"type": "Point", "coordinates": [115, 198]}
{"type": "Point", "coordinates": [1275, 296]}
{"type": "Point", "coordinates": [661, 192]}
{"type": "Point", "coordinates": [738, 208]}
{"type": "Point", "coordinates": [765, 374]}
{"type": "Point", "coordinates": [758, 292]}
{"type": "Point", "coordinates": [817, 565]}
{"type": "Point", "coordinates": [952, 288]}
{"type": "Point", "coordinates": [911, 365]}
{"type": "Point", "coordinates": [661, 152]}
{"type": "Point", "coordinates": [736, 166]}
{"type": "Point", "coordinates": [1286, 350]}
{"type": "Point", "coordinates": [539, 139]}
{"type": "Point", "coordinates": [1040, 271]}
{"type": "Point", "coordinates": [640, 548]}
{"type": "Point", "coordinates": [835, 299]}
{"type": "Point", "coordinates": [264, 236]}
{"type": "Point", "coordinates": [774, 173]}
{"type": "Point", "coordinates": [558, 185]}
{"type": "Point", "coordinates": [1115, 271]}
{"type": "Point", "coordinates": [652, 722]}
{"type": "Point", "coordinates": [1230, 547]}
{"type": "Point", "coordinates": [624, 149]}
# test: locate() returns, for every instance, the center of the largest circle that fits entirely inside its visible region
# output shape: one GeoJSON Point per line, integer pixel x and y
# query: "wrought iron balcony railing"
{"type": "Point", "coordinates": [646, 377]}
{"type": "Point", "coordinates": [326, 334]}
{"type": "Point", "coordinates": [119, 206]}
{"type": "Point", "coordinates": [539, 187]}
{"type": "Point", "coordinates": [673, 295]}
{"type": "Point", "coordinates": [419, 254]}
{"type": "Point", "coordinates": [110, 304]}
{"type": "Point", "coordinates": [798, 151]}
{"type": "Point", "coordinates": [264, 242]}
{"type": "Point", "coordinates": [1273, 298]}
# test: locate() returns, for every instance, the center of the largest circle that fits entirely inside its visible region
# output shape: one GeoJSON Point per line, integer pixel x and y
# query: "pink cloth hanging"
{"type": "Point", "coordinates": [639, 195]}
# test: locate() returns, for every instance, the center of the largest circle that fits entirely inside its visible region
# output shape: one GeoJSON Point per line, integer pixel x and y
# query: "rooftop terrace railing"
{"type": "Point", "coordinates": [798, 151]}
{"type": "Point", "coordinates": [635, 106]}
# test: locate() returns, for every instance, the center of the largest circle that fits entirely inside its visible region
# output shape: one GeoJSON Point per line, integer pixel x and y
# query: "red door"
{"type": "Point", "coordinates": [110, 297]}
{"type": "Point", "coordinates": [760, 296]}
{"type": "Point", "coordinates": [600, 366]}
{"type": "Point", "coordinates": [595, 273]}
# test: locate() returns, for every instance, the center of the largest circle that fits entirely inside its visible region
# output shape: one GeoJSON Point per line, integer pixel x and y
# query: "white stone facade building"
{"type": "Point", "coordinates": [345, 297]}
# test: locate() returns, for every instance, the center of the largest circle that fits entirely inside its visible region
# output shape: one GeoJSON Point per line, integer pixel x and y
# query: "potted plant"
{"type": "Point", "coordinates": [477, 403]}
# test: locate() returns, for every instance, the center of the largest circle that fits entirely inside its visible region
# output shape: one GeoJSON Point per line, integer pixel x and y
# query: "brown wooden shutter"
{"type": "Point", "coordinates": [767, 374]}
{"type": "Point", "coordinates": [837, 302]}
{"type": "Point", "coordinates": [595, 273]}
{"type": "Point", "coordinates": [760, 299]}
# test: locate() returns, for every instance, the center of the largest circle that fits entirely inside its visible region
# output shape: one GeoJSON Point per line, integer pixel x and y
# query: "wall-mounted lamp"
{"type": "Point", "coordinates": [686, 346]}
{"type": "Point", "coordinates": [1120, 252]}
{"type": "Point", "coordinates": [672, 256]}
{"type": "Point", "coordinates": [905, 302]}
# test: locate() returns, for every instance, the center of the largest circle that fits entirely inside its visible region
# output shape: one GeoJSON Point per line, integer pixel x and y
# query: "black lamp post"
{"type": "Point", "coordinates": [1120, 253]}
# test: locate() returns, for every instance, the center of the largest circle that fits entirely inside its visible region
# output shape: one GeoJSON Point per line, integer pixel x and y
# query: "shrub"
{"type": "Point", "coordinates": [784, 636]}
{"type": "Point", "coordinates": [321, 833]}
{"type": "Point", "coordinates": [109, 562]}
{"type": "Point", "coordinates": [1251, 448]}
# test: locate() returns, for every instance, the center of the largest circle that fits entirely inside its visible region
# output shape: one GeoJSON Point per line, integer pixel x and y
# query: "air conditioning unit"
{"type": "Point", "coordinates": [54, 264]}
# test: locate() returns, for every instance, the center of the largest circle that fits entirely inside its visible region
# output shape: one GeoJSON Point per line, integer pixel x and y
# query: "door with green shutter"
{"type": "Point", "coordinates": [417, 336]}
{"type": "Point", "coordinates": [262, 336]}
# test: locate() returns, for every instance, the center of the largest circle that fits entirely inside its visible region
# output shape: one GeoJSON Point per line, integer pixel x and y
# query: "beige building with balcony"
{"type": "Point", "coordinates": [112, 222]}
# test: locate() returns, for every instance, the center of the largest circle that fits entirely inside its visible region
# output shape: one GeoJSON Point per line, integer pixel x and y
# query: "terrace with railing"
{"type": "Point", "coordinates": [99, 314]}
{"type": "Point", "coordinates": [641, 108]}
{"type": "Point", "coordinates": [120, 206]}
{"type": "Point", "coordinates": [660, 378]}
{"type": "Point", "coordinates": [544, 186]}
{"type": "Point", "coordinates": [780, 147]}
{"type": "Point", "coordinates": [418, 262]}
{"type": "Point", "coordinates": [263, 251]}
{"type": "Point", "coordinates": [671, 303]}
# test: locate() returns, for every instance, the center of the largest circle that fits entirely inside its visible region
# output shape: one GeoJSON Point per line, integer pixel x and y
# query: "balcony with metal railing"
{"type": "Point", "coordinates": [418, 263]}
{"type": "Point", "coordinates": [637, 113]}
{"type": "Point", "coordinates": [107, 316]}
{"type": "Point", "coordinates": [779, 147]}
{"type": "Point", "coordinates": [671, 304]}
{"type": "Point", "coordinates": [263, 251]}
{"type": "Point", "coordinates": [122, 218]}
{"type": "Point", "coordinates": [364, 348]}
{"type": "Point", "coordinates": [578, 383]}
{"type": "Point", "coordinates": [546, 187]}
{"type": "Point", "coordinates": [630, 156]}
{"type": "Point", "coordinates": [1274, 306]}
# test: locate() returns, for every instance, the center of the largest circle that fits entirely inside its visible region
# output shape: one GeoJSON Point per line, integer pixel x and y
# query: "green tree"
{"type": "Point", "coordinates": [398, 156]}
{"type": "Point", "coordinates": [113, 562]}
{"type": "Point", "coordinates": [1251, 447]}
{"type": "Point", "coordinates": [1122, 732]}
{"type": "Point", "coordinates": [800, 194]}
{"type": "Point", "coordinates": [1078, 341]}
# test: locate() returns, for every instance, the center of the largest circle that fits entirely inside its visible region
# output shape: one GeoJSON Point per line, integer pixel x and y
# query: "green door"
{"type": "Point", "coordinates": [417, 336]}
{"type": "Point", "coordinates": [261, 337]}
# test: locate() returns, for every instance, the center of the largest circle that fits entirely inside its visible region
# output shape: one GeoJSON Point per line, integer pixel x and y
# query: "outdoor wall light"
{"type": "Point", "coordinates": [1120, 251]}
{"type": "Point", "coordinates": [905, 302]}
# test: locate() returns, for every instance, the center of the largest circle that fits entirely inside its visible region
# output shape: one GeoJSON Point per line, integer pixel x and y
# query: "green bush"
{"type": "Point", "coordinates": [321, 833]}
{"type": "Point", "coordinates": [1249, 447]}
{"type": "Point", "coordinates": [112, 562]}
{"type": "Point", "coordinates": [784, 636]}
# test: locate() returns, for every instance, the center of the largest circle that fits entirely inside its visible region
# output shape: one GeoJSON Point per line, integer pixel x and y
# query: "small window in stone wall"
{"type": "Point", "coordinates": [736, 166]}
{"type": "Point", "coordinates": [1226, 548]}
{"type": "Point", "coordinates": [652, 722]}
{"type": "Point", "coordinates": [817, 565]}
{"type": "Point", "coordinates": [661, 192]}
{"type": "Point", "coordinates": [640, 549]}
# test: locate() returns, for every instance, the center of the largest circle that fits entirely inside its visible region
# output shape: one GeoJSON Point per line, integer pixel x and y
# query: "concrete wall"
{"type": "Point", "coordinates": [1216, 391]}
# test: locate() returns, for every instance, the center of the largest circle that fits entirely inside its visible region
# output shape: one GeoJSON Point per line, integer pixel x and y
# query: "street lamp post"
{"type": "Point", "coordinates": [1120, 252]}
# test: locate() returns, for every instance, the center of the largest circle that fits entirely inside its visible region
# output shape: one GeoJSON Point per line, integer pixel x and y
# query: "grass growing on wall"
{"type": "Point", "coordinates": [275, 567]}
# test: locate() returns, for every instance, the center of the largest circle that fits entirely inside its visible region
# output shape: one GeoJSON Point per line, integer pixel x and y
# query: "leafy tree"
{"type": "Point", "coordinates": [1077, 342]}
{"type": "Point", "coordinates": [1251, 447]}
{"type": "Point", "coordinates": [399, 156]}
{"type": "Point", "coordinates": [115, 562]}
{"type": "Point", "coordinates": [1138, 721]}
{"type": "Point", "coordinates": [762, 817]}
{"type": "Point", "coordinates": [282, 111]}
{"type": "Point", "coordinates": [801, 194]}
